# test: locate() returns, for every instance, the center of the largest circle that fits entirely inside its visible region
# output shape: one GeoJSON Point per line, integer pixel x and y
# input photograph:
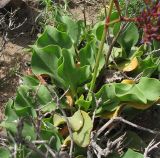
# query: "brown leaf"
{"type": "Point", "coordinates": [131, 66]}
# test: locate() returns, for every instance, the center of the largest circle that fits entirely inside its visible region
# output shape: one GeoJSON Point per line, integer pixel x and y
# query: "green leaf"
{"type": "Point", "coordinates": [145, 92]}
{"type": "Point", "coordinates": [72, 28]}
{"type": "Point", "coordinates": [28, 131]}
{"type": "Point", "coordinates": [10, 114]}
{"type": "Point", "coordinates": [4, 153]}
{"type": "Point", "coordinates": [11, 118]}
{"type": "Point", "coordinates": [88, 54]}
{"type": "Point", "coordinates": [28, 99]}
{"type": "Point", "coordinates": [72, 75]}
{"type": "Point", "coordinates": [127, 93]}
{"type": "Point", "coordinates": [98, 29]}
{"type": "Point", "coordinates": [148, 66]}
{"type": "Point", "coordinates": [82, 103]}
{"type": "Point", "coordinates": [58, 120]}
{"type": "Point", "coordinates": [132, 154]}
{"type": "Point", "coordinates": [45, 60]}
{"type": "Point", "coordinates": [52, 134]}
{"type": "Point", "coordinates": [9, 125]}
{"type": "Point", "coordinates": [109, 99]}
{"type": "Point", "coordinates": [24, 102]}
{"type": "Point", "coordinates": [76, 121]}
{"type": "Point", "coordinates": [52, 36]}
{"type": "Point", "coordinates": [129, 37]}
{"type": "Point", "coordinates": [150, 88]}
{"type": "Point", "coordinates": [82, 137]}
{"type": "Point", "coordinates": [30, 81]}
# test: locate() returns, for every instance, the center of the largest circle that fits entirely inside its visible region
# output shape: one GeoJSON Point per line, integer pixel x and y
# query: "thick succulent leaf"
{"type": "Point", "coordinates": [4, 153]}
{"type": "Point", "coordinates": [129, 37]}
{"type": "Point", "coordinates": [52, 36]}
{"type": "Point", "coordinates": [88, 55]}
{"type": "Point", "coordinates": [28, 131]}
{"type": "Point", "coordinates": [25, 102]}
{"type": "Point", "coordinates": [72, 28]}
{"type": "Point", "coordinates": [72, 75]}
{"type": "Point", "coordinates": [82, 137]}
{"type": "Point", "coordinates": [132, 65]}
{"type": "Point", "coordinates": [148, 66]}
{"type": "Point", "coordinates": [76, 121]}
{"type": "Point", "coordinates": [132, 154]}
{"type": "Point", "coordinates": [82, 103]}
{"type": "Point", "coordinates": [10, 126]}
{"type": "Point", "coordinates": [126, 93]}
{"type": "Point", "coordinates": [11, 118]}
{"type": "Point", "coordinates": [150, 88]}
{"type": "Point", "coordinates": [98, 30]}
{"type": "Point", "coordinates": [45, 61]}
{"type": "Point", "coordinates": [10, 114]}
{"type": "Point", "coordinates": [147, 91]}
{"type": "Point", "coordinates": [99, 27]}
{"type": "Point", "coordinates": [48, 134]}
{"type": "Point", "coordinates": [58, 120]}
{"type": "Point", "coordinates": [30, 80]}
{"type": "Point", "coordinates": [109, 99]}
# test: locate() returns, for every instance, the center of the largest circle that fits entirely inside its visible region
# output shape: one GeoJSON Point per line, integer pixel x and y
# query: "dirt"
{"type": "Point", "coordinates": [14, 56]}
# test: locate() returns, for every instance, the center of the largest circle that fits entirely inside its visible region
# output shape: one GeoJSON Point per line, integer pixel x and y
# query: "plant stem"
{"type": "Point", "coordinates": [100, 49]}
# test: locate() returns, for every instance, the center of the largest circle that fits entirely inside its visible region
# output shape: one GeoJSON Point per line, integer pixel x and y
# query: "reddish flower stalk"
{"type": "Point", "coordinates": [149, 21]}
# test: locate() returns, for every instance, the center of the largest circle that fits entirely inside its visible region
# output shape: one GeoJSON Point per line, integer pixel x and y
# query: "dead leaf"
{"type": "Point", "coordinates": [69, 100]}
{"type": "Point", "coordinates": [131, 66]}
{"type": "Point", "coordinates": [127, 81]}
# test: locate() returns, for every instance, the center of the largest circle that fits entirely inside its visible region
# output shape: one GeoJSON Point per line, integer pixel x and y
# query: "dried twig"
{"type": "Point", "coordinates": [120, 119]}
{"type": "Point", "coordinates": [9, 24]}
{"type": "Point", "coordinates": [151, 146]}
{"type": "Point", "coordinates": [57, 100]}
{"type": "Point", "coordinates": [111, 146]}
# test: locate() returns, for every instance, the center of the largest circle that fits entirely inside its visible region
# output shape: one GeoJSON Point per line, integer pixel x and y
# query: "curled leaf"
{"type": "Point", "coordinates": [67, 141]}
{"type": "Point", "coordinates": [107, 114]}
{"type": "Point", "coordinates": [131, 66]}
{"type": "Point", "coordinates": [76, 121]}
{"type": "Point", "coordinates": [127, 81]}
{"type": "Point", "coordinates": [82, 137]}
{"type": "Point", "coordinates": [140, 106]}
{"type": "Point", "coordinates": [58, 120]}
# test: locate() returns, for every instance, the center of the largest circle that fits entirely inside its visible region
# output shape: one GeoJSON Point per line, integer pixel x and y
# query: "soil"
{"type": "Point", "coordinates": [13, 55]}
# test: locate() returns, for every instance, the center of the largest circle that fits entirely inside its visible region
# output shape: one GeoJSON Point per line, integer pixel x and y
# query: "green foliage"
{"type": "Point", "coordinates": [134, 6]}
{"type": "Point", "coordinates": [58, 55]}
